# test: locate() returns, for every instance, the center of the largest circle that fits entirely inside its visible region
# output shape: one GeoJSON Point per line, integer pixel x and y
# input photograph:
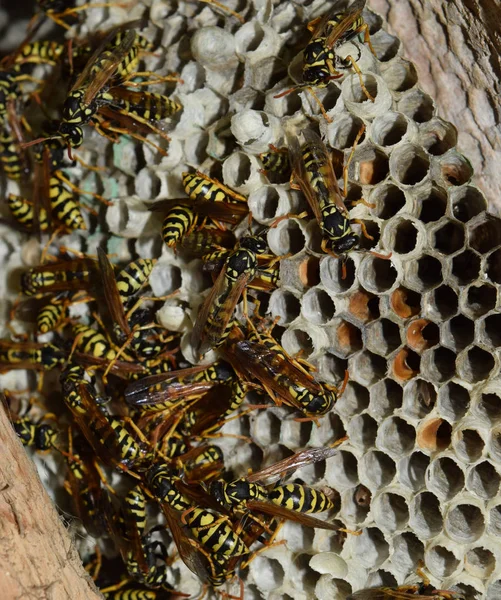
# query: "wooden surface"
{"type": "Point", "coordinates": [37, 558]}
{"type": "Point", "coordinates": [456, 47]}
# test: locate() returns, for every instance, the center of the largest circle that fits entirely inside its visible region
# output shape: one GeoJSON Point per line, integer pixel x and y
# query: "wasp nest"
{"type": "Point", "coordinates": [418, 332]}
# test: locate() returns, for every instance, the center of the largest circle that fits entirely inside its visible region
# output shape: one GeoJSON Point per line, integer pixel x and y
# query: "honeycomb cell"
{"type": "Point", "coordinates": [485, 234]}
{"type": "Point", "coordinates": [288, 237]}
{"type": "Point", "coordinates": [412, 470]}
{"type": "Point", "coordinates": [480, 562]}
{"type": "Point", "coordinates": [361, 431]}
{"type": "Point", "coordinates": [424, 273]}
{"type": "Point", "coordinates": [447, 236]}
{"type": "Point", "coordinates": [442, 302]}
{"type": "Point", "coordinates": [377, 469]}
{"type": "Point", "coordinates": [475, 364]}
{"type": "Point", "coordinates": [490, 330]}
{"type": "Point", "coordinates": [438, 136]}
{"type": "Point", "coordinates": [342, 470]}
{"type": "Point", "coordinates": [341, 134]}
{"type": "Point", "coordinates": [425, 516]}
{"type": "Point", "coordinates": [422, 334]}
{"type": "Point", "coordinates": [385, 45]}
{"type": "Point", "coordinates": [284, 305]}
{"type": "Point", "coordinates": [264, 203]}
{"type": "Point", "coordinates": [354, 400]}
{"type": "Point", "coordinates": [296, 340]}
{"type": "Point", "coordinates": [381, 578]}
{"type": "Point", "coordinates": [389, 129]}
{"type": "Point", "coordinates": [317, 306]}
{"type": "Point", "coordinates": [453, 401]}
{"type": "Point", "coordinates": [454, 169]}
{"type": "Point", "coordinates": [409, 164]}
{"type": "Point", "coordinates": [355, 98]}
{"type": "Point", "coordinates": [368, 232]}
{"type": "Point", "coordinates": [382, 337]}
{"type": "Point", "coordinates": [494, 521]}
{"type": "Point", "coordinates": [370, 548]}
{"type": "Point", "coordinates": [309, 271]}
{"type": "Point", "coordinates": [419, 398]}
{"type": "Point", "coordinates": [408, 550]}
{"type": "Point", "coordinates": [346, 339]}
{"type": "Point", "coordinates": [434, 434]}
{"type": "Point", "coordinates": [479, 300]}
{"type": "Point", "coordinates": [441, 561]}
{"type": "Point", "coordinates": [483, 480]}
{"type": "Point", "coordinates": [404, 236]}
{"type": "Point", "coordinates": [405, 303]}
{"type": "Point", "coordinates": [400, 75]}
{"type": "Point", "coordinates": [458, 333]}
{"type": "Point", "coordinates": [439, 364]}
{"type": "Point", "coordinates": [390, 512]}
{"type": "Point", "coordinates": [388, 200]}
{"type": "Point", "coordinates": [467, 202]}
{"type": "Point", "coordinates": [332, 589]}
{"type": "Point", "coordinates": [386, 397]}
{"type": "Point", "coordinates": [268, 572]}
{"type": "Point", "coordinates": [378, 275]}
{"type": "Point", "coordinates": [417, 105]}
{"type": "Point", "coordinates": [337, 274]}
{"type": "Point", "coordinates": [332, 368]}
{"type": "Point", "coordinates": [368, 368]}
{"type": "Point", "coordinates": [494, 266]}
{"type": "Point", "coordinates": [405, 365]}
{"type": "Point", "coordinates": [364, 306]}
{"type": "Point", "coordinates": [266, 429]}
{"type": "Point", "coordinates": [396, 436]}
{"type": "Point", "coordinates": [464, 523]}
{"type": "Point", "coordinates": [368, 166]}
{"type": "Point", "coordinates": [432, 203]}
{"type": "Point", "coordinates": [445, 478]}
{"type": "Point", "coordinates": [487, 407]}
{"type": "Point", "coordinates": [468, 445]}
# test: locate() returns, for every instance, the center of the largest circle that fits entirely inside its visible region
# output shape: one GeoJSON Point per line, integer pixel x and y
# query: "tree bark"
{"type": "Point", "coordinates": [456, 47]}
{"type": "Point", "coordinates": [38, 560]}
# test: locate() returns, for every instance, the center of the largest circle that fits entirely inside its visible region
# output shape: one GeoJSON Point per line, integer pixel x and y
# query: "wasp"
{"type": "Point", "coordinates": [24, 212]}
{"type": "Point", "coordinates": [320, 60]}
{"type": "Point", "coordinates": [37, 435]}
{"type": "Point", "coordinates": [10, 156]}
{"type": "Point", "coordinates": [60, 276]}
{"type": "Point", "coordinates": [29, 355]}
{"type": "Point", "coordinates": [276, 161]}
{"type": "Point", "coordinates": [424, 591]}
{"type": "Point", "coordinates": [214, 318]}
{"type": "Point", "coordinates": [198, 243]}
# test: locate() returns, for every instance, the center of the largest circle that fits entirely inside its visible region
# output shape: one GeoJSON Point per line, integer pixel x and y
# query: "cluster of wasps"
{"type": "Point", "coordinates": [129, 403]}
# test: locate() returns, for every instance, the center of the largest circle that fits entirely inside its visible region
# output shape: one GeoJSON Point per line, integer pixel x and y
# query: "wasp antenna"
{"type": "Point", "coordinates": [290, 90]}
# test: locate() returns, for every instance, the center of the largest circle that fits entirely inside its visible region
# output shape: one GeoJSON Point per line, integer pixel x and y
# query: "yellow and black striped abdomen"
{"type": "Point", "coordinates": [136, 504]}
{"type": "Point", "coordinates": [299, 498]}
{"type": "Point", "coordinates": [135, 275]}
{"type": "Point", "coordinates": [178, 222]}
{"type": "Point", "coordinates": [23, 211]}
{"type": "Point", "coordinates": [10, 155]}
{"type": "Point", "coordinates": [162, 484]}
{"type": "Point", "coordinates": [49, 317]}
{"type": "Point", "coordinates": [134, 593]}
{"type": "Point", "coordinates": [43, 51]}
{"type": "Point", "coordinates": [129, 448]}
{"type": "Point", "coordinates": [215, 533]}
{"type": "Point", "coordinates": [93, 342]}
{"type": "Point", "coordinates": [64, 206]}
{"type": "Point", "coordinates": [8, 89]}
{"type": "Point", "coordinates": [200, 188]}
{"type": "Point", "coordinates": [147, 105]}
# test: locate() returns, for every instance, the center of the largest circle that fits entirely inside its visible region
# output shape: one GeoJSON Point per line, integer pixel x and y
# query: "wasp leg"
{"type": "Point", "coordinates": [357, 70]}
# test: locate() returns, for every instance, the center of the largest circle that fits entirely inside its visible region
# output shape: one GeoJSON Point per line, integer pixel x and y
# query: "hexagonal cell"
{"type": "Point", "coordinates": [364, 306]}
{"type": "Point", "coordinates": [390, 512]}
{"type": "Point", "coordinates": [409, 164]}
{"type": "Point", "coordinates": [412, 470]}
{"type": "Point", "coordinates": [468, 445]}
{"type": "Point", "coordinates": [388, 199]}
{"type": "Point", "coordinates": [494, 521]}
{"type": "Point", "coordinates": [422, 334]}
{"type": "Point", "coordinates": [389, 129]}
{"type": "Point", "coordinates": [490, 327]}
{"type": "Point", "coordinates": [485, 234]}
{"type": "Point", "coordinates": [377, 469]}
{"type": "Point", "coordinates": [381, 578]}
{"type": "Point", "coordinates": [405, 365]}
{"type": "Point", "coordinates": [370, 548]}
{"type": "Point", "coordinates": [317, 306]}
{"type": "Point", "coordinates": [337, 274]}
{"type": "Point", "coordinates": [480, 300]}
{"type": "Point", "coordinates": [385, 45]}
{"type": "Point", "coordinates": [362, 430]}
{"type": "Point", "coordinates": [455, 169]}
{"type": "Point", "coordinates": [368, 232]}
{"type": "Point", "coordinates": [383, 337]}
{"type": "Point", "coordinates": [368, 367]}
{"type": "Point", "coordinates": [434, 434]}
{"type": "Point", "coordinates": [286, 238]}
{"type": "Point", "coordinates": [408, 551]}
{"type": "Point", "coordinates": [386, 397]}
{"type": "Point", "coordinates": [269, 572]}
{"type": "Point", "coordinates": [295, 340]}
{"type": "Point", "coordinates": [448, 236]}
{"type": "Point", "coordinates": [466, 267]}
{"type": "Point", "coordinates": [483, 480]}
{"type": "Point", "coordinates": [354, 400]}
{"type": "Point", "coordinates": [332, 368]}
{"type": "Point", "coordinates": [341, 134]}
{"type": "Point", "coordinates": [459, 332]}
{"type": "Point", "coordinates": [404, 235]}
{"type": "Point", "coordinates": [396, 436]}
{"type": "Point", "coordinates": [445, 478]}
{"type": "Point", "coordinates": [417, 105]}
{"type": "Point", "coordinates": [441, 561]}
{"type": "Point", "coordinates": [488, 406]}
{"type": "Point", "coordinates": [493, 266]}
{"type": "Point", "coordinates": [342, 470]}
{"type": "Point", "coordinates": [302, 272]}
{"type": "Point", "coordinates": [464, 523]}
{"type": "Point", "coordinates": [419, 398]}
{"type": "Point", "coordinates": [424, 273]}
{"type": "Point", "coordinates": [425, 516]}
{"type": "Point", "coordinates": [346, 339]}
{"type": "Point", "coordinates": [377, 275]}
{"type": "Point", "coordinates": [443, 302]}
{"type": "Point", "coordinates": [467, 202]}
{"type": "Point", "coordinates": [480, 562]}
{"type": "Point", "coordinates": [439, 364]}
{"type": "Point", "coordinates": [400, 75]}
{"type": "Point", "coordinates": [433, 204]}
{"type": "Point", "coordinates": [438, 136]}
{"type": "Point", "coordinates": [475, 364]}
{"type": "Point", "coordinates": [453, 401]}
{"type": "Point", "coordinates": [284, 305]}
{"type": "Point", "coordinates": [405, 303]}
{"type": "Point", "coordinates": [369, 166]}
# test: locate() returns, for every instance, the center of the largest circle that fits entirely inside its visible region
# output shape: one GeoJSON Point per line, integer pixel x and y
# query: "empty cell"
{"type": "Point", "coordinates": [286, 238]}
{"type": "Point", "coordinates": [409, 164]}
{"type": "Point", "coordinates": [396, 436]}
{"type": "Point", "coordinates": [309, 271]}
{"type": "Point", "coordinates": [491, 327]}
{"type": "Point", "coordinates": [464, 523]}
{"type": "Point", "coordinates": [455, 169]}
{"type": "Point", "coordinates": [368, 234]}
{"type": "Point", "coordinates": [445, 478]}
{"type": "Point", "coordinates": [424, 273]}
{"type": "Point", "coordinates": [425, 516]}
{"type": "Point", "coordinates": [353, 92]}
{"type": "Point", "coordinates": [318, 307]}
{"type": "Point", "coordinates": [332, 367]}
{"type": "Point", "coordinates": [433, 204]}
{"type": "Point", "coordinates": [368, 367]}
{"type": "Point", "coordinates": [434, 435]}
{"type": "Point", "coordinates": [480, 562]}
{"type": "Point", "coordinates": [385, 45]}
{"type": "Point", "coordinates": [441, 561]}
{"type": "Point", "coordinates": [400, 75]}
{"type": "Point", "coordinates": [389, 129]}
{"type": "Point", "coordinates": [422, 334]}
{"type": "Point", "coordinates": [297, 341]}
{"type": "Point", "coordinates": [453, 401]}
{"type": "Point", "coordinates": [168, 279]}
{"type": "Point", "coordinates": [468, 445]}
{"type": "Point", "coordinates": [381, 578]}
{"type": "Point", "coordinates": [237, 170]}
{"type": "Point", "coordinates": [441, 364]}
{"type": "Point", "coordinates": [377, 275]}
{"type": "Point", "coordinates": [438, 136]}
{"type": "Point", "coordinates": [308, 576]}
{"type": "Point", "coordinates": [337, 274]}
{"type": "Point", "coordinates": [386, 397]}
{"type": "Point", "coordinates": [361, 431]}
{"type": "Point", "coordinates": [480, 300]}
{"type": "Point", "coordinates": [330, 96]}
{"type": "Point", "coordinates": [341, 134]}
{"type": "Point", "coordinates": [444, 302]}
{"type": "Point", "coordinates": [467, 202]}
{"type": "Point", "coordinates": [403, 236]}
{"type": "Point", "coordinates": [284, 305]}
{"type": "Point", "coordinates": [460, 332]}
{"type": "Point", "coordinates": [368, 166]}
{"type": "Point", "coordinates": [390, 512]}
{"type": "Point", "coordinates": [354, 400]}
{"type": "Point", "coordinates": [364, 306]}
{"type": "Point", "coordinates": [483, 480]}
{"type": "Point", "coordinates": [377, 469]}
{"type": "Point", "coordinates": [485, 235]}
{"type": "Point", "coordinates": [383, 337]}
{"type": "Point", "coordinates": [405, 364]}
{"type": "Point", "coordinates": [266, 429]}
{"type": "Point", "coordinates": [268, 572]}
{"type": "Point", "coordinates": [408, 551]}
{"type": "Point", "coordinates": [417, 105]}
{"type": "Point", "coordinates": [494, 521]}
{"type": "Point", "coordinates": [342, 470]}
{"type": "Point", "coordinates": [370, 548]}
{"type": "Point", "coordinates": [493, 591]}
{"type": "Point", "coordinates": [475, 364]}
{"type": "Point", "coordinates": [412, 470]}
{"type": "Point", "coordinates": [388, 199]}
{"type": "Point", "coordinates": [346, 339]}
{"type": "Point", "coordinates": [488, 407]}
{"type": "Point", "coordinates": [405, 303]}
{"type": "Point", "coordinates": [448, 237]}
{"type": "Point", "coordinates": [332, 589]}
{"type": "Point", "coordinates": [264, 203]}
{"type": "Point", "coordinates": [494, 266]}
{"type": "Point", "coordinates": [419, 398]}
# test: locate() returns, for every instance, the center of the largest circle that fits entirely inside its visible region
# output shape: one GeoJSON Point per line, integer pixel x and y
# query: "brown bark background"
{"type": "Point", "coordinates": [456, 47]}
{"type": "Point", "coordinates": [38, 560]}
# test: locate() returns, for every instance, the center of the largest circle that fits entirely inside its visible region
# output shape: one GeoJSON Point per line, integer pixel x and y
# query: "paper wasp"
{"type": "Point", "coordinates": [423, 591]}
{"type": "Point", "coordinates": [33, 434]}
{"type": "Point", "coordinates": [276, 161]}
{"type": "Point", "coordinates": [320, 62]}
{"type": "Point", "coordinates": [29, 355]}
{"type": "Point", "coordinates": [60, 276]}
